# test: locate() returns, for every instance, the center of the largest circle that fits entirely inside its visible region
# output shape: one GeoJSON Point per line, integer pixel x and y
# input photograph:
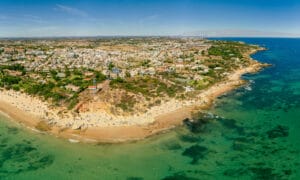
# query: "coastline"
{"type": "Point", "coordinates": [161, 118]}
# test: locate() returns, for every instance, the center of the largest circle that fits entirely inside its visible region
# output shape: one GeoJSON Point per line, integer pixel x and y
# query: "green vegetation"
{"type": "Point", "coordinates": [227, 56]}
{"type": "Point", "coordinates": [127, 102]}
{"type": "Point", "coordinates": [199, 84]}
{"type": "Point", "coordinates": [147, 86]}
{"type": "Point", "coordinates": [145, 63]}
{"type": "Point", "coordinates": [73, 101]}
{"type": "Point", "coordinates": [53, 87]}
{"type": "Point", "coordinates": [110, 66]}
{"type": "Point", "coordinates": [10, 80]}
{"type": "Point", "coordinates": [1, 50]}
{"type": "Point", "coordinates": [226, 49]}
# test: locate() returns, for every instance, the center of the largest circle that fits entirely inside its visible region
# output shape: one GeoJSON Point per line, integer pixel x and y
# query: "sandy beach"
{"type": "Point", "coordinates": [104, 127]}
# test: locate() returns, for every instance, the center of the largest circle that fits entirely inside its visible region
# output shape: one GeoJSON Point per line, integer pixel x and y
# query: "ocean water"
{"type": "Point", "coordinates": [250, 133]}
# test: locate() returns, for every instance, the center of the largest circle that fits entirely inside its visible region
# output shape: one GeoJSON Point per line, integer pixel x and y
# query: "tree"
{"type": "Point", "coordinates": [110, 66]}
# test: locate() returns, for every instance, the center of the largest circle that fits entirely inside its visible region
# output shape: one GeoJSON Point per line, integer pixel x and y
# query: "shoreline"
{"type": "Point", "coordinates": [154, 123]}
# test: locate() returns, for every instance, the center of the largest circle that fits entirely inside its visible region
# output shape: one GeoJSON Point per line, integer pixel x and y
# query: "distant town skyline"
{"type": "Point", "coordinates": [230, 18]}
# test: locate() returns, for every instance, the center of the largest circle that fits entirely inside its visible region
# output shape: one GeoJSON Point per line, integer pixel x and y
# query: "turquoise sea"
{"type": "Point", "coordinates": [250, 133]}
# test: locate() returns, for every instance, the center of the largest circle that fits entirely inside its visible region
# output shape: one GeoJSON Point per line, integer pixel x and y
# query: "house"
{"type": "Point", "coordinates": [161, 69]}
{"type": "Point", "coordinates": [13, 73]}
{"type": "Point", "coordinates": [113, 76]}
{"type": "Point", "coordinates": [142, 72]}
{"type": "Point", "coordinates": [88, 74]}
{"type": "Point", "coordinates": [92, 88]}
{"type": "Point", "coordinates": [171, 69]}
{"type": "Point", "coordinates": [218, 68]}
{"type": "Point", "coordinates": [151, 71]}
{"type": "Point", "coordinates": [133, 73]}
{"type": "Point", "coordinates": [188, 89]}
{"type": "Point", "coordinates": [106, 72]}
{"type": "Point", "coordinates": [72, 87]}
{"type": "Point", "coordinates": [180, 66]}
{"type": "Point", "coordinates": [61, 75]}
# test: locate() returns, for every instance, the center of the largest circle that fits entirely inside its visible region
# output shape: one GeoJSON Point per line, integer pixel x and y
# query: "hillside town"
{"type": "Point", "coordinates": [132, 56]}
{"type": "Point", "coordinates": [118, 76]}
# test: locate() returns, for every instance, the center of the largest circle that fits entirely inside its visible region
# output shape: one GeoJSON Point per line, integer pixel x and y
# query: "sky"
{"type": "Point", "coordinates": [48, 18]}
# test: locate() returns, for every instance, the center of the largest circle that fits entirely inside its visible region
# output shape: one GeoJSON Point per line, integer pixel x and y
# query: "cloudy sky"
{"type": "Point", "coordinates": [46, 18]}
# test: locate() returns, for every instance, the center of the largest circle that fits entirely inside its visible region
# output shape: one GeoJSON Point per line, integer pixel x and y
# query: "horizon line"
{"type": "Point", "coordinates": [137, 36]}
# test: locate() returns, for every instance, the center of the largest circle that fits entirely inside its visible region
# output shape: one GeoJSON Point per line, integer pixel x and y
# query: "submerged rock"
{"type": "Point", "coordinates": [278, 131]}
{"type": "Point", "coordinates": [195, 152]}
{"type": "Point", "coordinates": [12, 130]}
{"type": "Point", "coordinates": [239, 146]}
{"type": "Point", "coordinates": [173, 146]}
{"type": "Point", "coordinates": [179, 176]}
{"type": "Point", "coordinates": [191, 138]}
{"type": "Point", "coordinates": [231, 124]}
{"type": "Point", "coordinates": [197, 125]}
{"type": "Point", "coordinates": [134, 178]}
{"type": "Point", "coordinates": [22, 157]}
{"type": "Point", "coordinates": [264, 173]}
{"type": "Point", "coordinates": [235, 172]}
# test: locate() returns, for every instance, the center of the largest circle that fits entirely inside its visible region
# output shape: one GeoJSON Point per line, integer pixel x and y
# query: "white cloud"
{"type": "Point", "coordinates": [70, 10]}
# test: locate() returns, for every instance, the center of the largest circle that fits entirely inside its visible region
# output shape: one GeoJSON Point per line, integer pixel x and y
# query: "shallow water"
{"type": "Point", "coordinates": [252, 134]}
